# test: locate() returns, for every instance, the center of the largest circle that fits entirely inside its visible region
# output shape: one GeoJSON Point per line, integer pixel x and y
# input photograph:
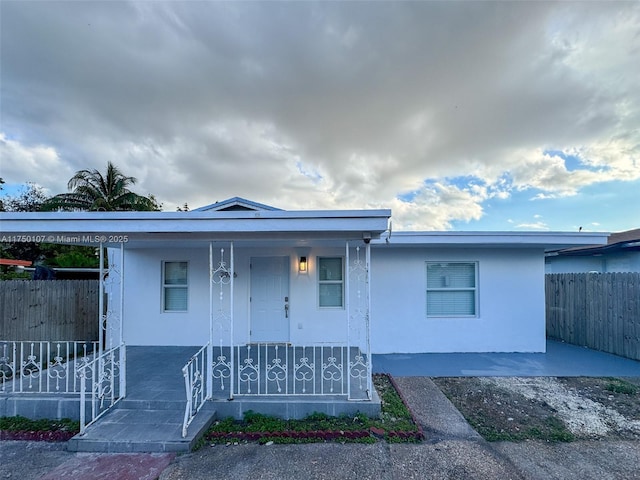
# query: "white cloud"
{"type": "Point", "coordinates": [436, 206]}
{"type": "Point", "coordinates": [549, 175]}
{"type": "Point", "coordinates": [533, 226]}
{"type": "Point", "coordinates": [327, 105]}
{"type": "Point", "coordinates": [38, 164]}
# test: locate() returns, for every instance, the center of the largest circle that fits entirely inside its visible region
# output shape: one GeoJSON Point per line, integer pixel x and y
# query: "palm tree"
{"type": "Point", "coordinates": [90, 190]}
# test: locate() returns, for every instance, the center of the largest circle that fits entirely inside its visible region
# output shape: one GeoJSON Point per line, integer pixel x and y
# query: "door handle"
{"type": "Point", "coordinates": [286, 310]}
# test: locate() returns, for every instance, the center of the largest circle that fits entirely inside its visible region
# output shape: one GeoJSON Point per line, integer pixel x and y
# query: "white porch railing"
{"type": "Point", "coordinates": [195, 384]}
{"type": "Point", "coordinates": [264, 369]}
{"type": "Point", "coordinates": [270, 369]}
{"type": "Point", "coordinates": [106, 375]}
{"type": "Point", "coordinates": [43, 367]}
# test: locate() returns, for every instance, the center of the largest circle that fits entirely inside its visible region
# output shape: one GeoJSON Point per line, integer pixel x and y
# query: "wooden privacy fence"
{"type": "Point", "coordinates": [49, 309]}
{"type": "Point", "coordinates": [596, 310]}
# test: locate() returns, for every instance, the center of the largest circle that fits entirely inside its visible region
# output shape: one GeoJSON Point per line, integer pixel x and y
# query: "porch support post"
{"type": "Point", "coordinates": [210, 344]}
{"type": "Point", "coordinates": [101, 302]}
{"type": "Point", "coordinates": [123, 356]}
{"type": "Point", "coordinates": [121, 336]}
{"type": "Point", "coordinates": [368, 322]}
{"type": "Point", "coordinates": [347, 299]}
{"type": "Point", "coordinates": [231, 319]}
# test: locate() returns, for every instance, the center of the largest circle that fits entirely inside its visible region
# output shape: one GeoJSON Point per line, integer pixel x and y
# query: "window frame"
{"type": "Point", "coordinates": [165, 286]}
{"type": "Point", "coordinates": [340, 282]}
{"type": "Point", "coordinates": [475, 289]}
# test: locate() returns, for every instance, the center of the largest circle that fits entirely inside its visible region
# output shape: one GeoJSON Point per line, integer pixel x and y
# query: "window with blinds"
{"type": "Point", "coordinates": [175, 290]}
{"type": "Point", "coordinates": [452, 289]}
{"type": "Point", "coordinates": [330, 282]}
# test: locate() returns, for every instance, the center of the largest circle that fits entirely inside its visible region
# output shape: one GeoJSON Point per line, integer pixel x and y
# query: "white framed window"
{"type": "Point", "coordinates": [175, 287]}
{"type": "Point", "coordinates": [330, 282]}
{"type": "Point", "coordinates": [452, 289]}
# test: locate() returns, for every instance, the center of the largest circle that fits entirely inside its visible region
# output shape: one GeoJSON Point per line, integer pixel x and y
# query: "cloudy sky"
{"type": "Point", "coordinates": [456, 115]}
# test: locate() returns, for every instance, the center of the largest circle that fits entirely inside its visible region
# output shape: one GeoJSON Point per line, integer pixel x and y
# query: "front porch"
{"type": "Point", "coordinates": [223, 278]}
{"type": "Point", "coordinates": [151, 416]}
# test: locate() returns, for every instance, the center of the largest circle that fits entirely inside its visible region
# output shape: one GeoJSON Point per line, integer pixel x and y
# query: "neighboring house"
{"type": "Point", "coordinates": [620, 254]}
{"type": "Point", "coordinates": [70, 273]}
{"type": "Point", "coordinates": [296, 302]}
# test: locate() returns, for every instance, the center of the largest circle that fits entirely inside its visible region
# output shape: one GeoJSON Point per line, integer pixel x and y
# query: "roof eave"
{"type": "Point", "coordinates": [545, 240]}
{"type": "Point", "coordinates": [53, 227]}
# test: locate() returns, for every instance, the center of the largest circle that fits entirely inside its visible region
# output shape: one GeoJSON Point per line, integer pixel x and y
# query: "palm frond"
{"type": "Point", "coordinates": [90, 190]}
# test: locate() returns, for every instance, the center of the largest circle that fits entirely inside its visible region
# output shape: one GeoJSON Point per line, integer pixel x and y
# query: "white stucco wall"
{"type": "Point", "coordinates": [510, 318]}
{"type": "Point", "coordinates": [511, 312]}
{"type": "Point", "coordinates": [147, 324]}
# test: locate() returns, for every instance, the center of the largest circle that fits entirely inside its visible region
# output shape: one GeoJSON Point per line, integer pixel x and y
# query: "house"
{"type": "Point", "coordinates": [621, 253]}
{"type": "Point", "coordinates": [275, 303]}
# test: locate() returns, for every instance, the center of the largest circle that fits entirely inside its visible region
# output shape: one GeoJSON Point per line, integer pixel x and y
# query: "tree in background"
{"type": "Point", "coordinates": [92, 191]}
{"type": "Point", "coordinates": [30, 199]}
{"type": "Point", "coordinates": [89, 191]}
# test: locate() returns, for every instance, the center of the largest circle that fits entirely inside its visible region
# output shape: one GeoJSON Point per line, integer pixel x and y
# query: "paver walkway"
{"type": "Point", "coordinates": [120, 466]}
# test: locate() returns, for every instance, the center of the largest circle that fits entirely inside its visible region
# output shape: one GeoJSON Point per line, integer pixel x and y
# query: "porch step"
{"type": "Point", "coordinates": [140, 404]}
{"type": "Point", "coordinates": [142, 430]}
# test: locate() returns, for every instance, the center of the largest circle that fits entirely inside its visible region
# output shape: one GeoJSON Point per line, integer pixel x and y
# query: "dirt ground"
{"type": "Point", "coordinates": [547, 408]}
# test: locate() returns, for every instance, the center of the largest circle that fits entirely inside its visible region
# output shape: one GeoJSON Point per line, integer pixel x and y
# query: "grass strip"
{"type": "Point", "coordinates": [21, 428]}
{"type": "Point", "coordinates": [396, 424]}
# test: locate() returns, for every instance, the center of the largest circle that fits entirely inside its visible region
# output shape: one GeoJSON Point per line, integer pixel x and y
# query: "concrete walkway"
{"type": "Point", "coordinates": [560, 360]}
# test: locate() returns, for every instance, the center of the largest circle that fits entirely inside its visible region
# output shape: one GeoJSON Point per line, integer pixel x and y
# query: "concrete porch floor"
{"type": "Point", "coordinates": [560, 360]}
{"type": "Point", "coordinates": [149, 418]}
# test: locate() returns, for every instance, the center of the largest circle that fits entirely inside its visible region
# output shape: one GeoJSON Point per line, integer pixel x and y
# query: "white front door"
{"type": "Point", "coordinates": [269, 299]}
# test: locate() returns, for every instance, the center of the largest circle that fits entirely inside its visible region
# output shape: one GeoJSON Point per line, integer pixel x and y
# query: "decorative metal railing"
{"type": "Point", "coordinates": [285, 369]}
{"type": "Point", "coordinates": [105, 375]}
{"type": "Point", "coordinates": [358, 302]}
{"type": "Point", "coordinates": [43, 367]}
{"type": "Point", "coordinates": [195, 384]}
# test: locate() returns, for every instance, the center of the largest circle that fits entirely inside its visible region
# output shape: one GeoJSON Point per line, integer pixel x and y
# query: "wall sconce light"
{"type": "Point", "coordinates": [302, 265]}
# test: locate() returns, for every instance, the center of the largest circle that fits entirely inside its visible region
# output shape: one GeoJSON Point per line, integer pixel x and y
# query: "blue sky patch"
{"type": "Point", "coordinates": [464, 181]}
{"type": "Point", "coordinates": [311, 174]}
{"type": "Point", "coordinates": [407, 197]}
{"type": "Point", "coordinates": [572, 162]}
